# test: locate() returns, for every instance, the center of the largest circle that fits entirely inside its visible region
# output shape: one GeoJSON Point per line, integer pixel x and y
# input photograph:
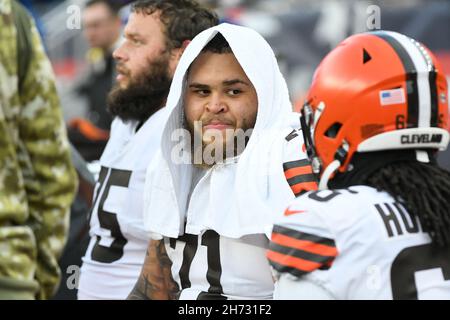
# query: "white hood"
{"type": "Point", "coordinates": [253, 204]}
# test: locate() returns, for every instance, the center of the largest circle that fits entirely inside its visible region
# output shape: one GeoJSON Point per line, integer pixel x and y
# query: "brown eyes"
{"type": "Point", "coordinates": [231, 92]}
{"type": "Point", "coordinates": [202, 92]}
{"type": "Point", "coordinates": [234, 92]}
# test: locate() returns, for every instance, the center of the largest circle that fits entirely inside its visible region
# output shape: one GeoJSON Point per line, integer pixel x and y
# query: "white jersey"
{"type": "Point", "coordinates": [116, 251]}
{"type": "Point", "coordinates": [356, 243]}
{"type": "Point", "coordinates": [209, 265]}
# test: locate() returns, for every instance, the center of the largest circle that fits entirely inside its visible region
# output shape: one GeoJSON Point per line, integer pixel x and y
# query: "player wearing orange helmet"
{"type": "Point", "coordinates": [375, 116]}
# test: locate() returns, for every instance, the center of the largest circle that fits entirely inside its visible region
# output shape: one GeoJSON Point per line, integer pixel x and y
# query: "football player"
{"type": "Point", "coordinates": [374, 119]}
{"type": "Point", "coordinates": [155, 37]}
{"type": "Point", "coordinates": [211, 220]}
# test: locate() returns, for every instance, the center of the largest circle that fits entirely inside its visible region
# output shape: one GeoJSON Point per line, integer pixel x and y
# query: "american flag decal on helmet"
{"type": "Point", "coordinates": [393, 96]}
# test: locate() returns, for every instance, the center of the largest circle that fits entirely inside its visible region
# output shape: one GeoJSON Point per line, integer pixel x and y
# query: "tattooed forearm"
{"type": "Point", "coordinates": [155, 281]}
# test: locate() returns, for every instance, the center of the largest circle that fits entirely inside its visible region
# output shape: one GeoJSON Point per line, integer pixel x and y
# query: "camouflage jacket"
{"type": "Point", "coordinates": [37, 179]}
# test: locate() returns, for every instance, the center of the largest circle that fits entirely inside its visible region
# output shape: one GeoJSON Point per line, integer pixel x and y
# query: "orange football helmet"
{"type": "Point", "coordinates": [375, 91]}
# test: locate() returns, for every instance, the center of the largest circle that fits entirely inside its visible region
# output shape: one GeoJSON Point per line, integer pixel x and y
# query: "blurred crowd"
{"type": "Point", "coordinates": [300, 31]}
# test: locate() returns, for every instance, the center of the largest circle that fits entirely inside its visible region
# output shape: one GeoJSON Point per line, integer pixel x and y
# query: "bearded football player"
{"type": "Point", "coordinates": [156, 35]}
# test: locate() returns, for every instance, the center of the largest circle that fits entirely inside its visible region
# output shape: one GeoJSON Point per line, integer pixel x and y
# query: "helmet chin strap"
{"type": "Point", "coordinates": [332, 167]}
{"type": "Point", "coordinates": [339, 158]}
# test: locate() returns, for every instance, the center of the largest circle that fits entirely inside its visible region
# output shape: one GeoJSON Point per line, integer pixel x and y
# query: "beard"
{"type": "Point", "coordinates": [144, 95]}
{"type": "Point", "coordinates": [216, 146]}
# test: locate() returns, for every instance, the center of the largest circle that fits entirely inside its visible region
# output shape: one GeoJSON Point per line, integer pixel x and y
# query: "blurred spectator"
{"type": "Point", "coordinates": [102, 29]}
{"type": "Point", "coordinates": [37, 179]}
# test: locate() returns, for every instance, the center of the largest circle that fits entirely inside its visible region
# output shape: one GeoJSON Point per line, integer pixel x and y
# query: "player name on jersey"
{"type": "Point", "coordinates": [397, 220]}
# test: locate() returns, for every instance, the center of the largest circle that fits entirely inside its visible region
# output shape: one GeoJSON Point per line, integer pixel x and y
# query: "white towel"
{"type": "Point", "coordinates": [241, 198]}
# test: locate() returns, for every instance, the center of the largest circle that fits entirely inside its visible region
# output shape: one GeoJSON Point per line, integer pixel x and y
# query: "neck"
{"type": "Point", "coordinates": [363, 165]}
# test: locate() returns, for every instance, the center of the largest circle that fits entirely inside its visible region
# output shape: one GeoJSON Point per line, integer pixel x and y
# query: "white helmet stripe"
{"type": "Point", "coordinates": [423, 84]}
{"type": "Point", "coordinates": [411, 76]}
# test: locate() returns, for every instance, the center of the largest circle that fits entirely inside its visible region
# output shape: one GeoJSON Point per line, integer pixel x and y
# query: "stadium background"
{"type": "Point", "coordinates": [300, 31]}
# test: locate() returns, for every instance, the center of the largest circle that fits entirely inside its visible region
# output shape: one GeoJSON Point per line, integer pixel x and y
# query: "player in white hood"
{"type": "Point", "coordinates": [210, 221]}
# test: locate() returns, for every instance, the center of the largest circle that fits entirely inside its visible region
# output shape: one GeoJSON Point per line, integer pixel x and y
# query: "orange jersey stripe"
{"type": "Point", "coordinates": [297, 171]}
{"type": "Point", "coordinates": [294, 262]}
{"type": "Point", "coordinates": [304, 245]}
{"type": "Point", "coordinates": [304, 186]}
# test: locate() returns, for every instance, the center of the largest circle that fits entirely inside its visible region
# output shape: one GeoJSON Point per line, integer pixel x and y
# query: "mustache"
{"type": "Point", "coordinates": [120, 68]}
{"type": "Point", "coordinates": [208, 120]}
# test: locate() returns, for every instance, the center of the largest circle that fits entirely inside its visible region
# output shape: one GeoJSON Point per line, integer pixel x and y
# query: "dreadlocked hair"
{"type": "Point", "coordinates": [424, 190]}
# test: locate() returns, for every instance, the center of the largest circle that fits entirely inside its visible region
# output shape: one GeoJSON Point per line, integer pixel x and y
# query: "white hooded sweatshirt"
{"type": "Point", "coordinates": [222, 227]}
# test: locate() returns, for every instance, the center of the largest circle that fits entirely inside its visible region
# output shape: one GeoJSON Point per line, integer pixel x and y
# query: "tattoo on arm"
{"type": "Point", "coordinates": [155, 281]}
